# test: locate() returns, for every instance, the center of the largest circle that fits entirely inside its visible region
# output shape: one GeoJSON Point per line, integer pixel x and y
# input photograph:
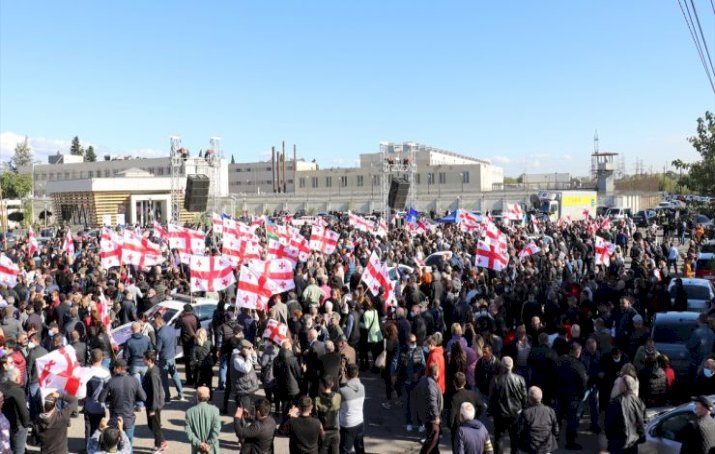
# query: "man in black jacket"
{"type": "Point", "coordinates": [699, 436]}
{"type": "Point", "coordinates": [288, 375]}
{"type": "Point", "coordinates": [537, 427]}
{"type": "Point", "coordinates": [460, 396]}
{"type": "Point", "coordinates": [507, 398]}
{"type": "Point", "coordinates": [121, 395]}
{"type": "Point", "coordinates": [15, 410]}
{"type": "Point", "coordinates": [154, 390]}
{"type": "Point", "coordinates": [257, 437]}
{"type": "Point", "coordinates": [570, 388]}
{"type": "Point", "coordinates": [433, 409]}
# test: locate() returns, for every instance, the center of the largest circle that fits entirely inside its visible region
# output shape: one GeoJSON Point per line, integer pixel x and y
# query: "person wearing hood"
{"type": "Point", "coordinates": [471, 437]}
{"type": "Point", "coordinates": [352, 427]}
{"type": "Point", "coordinates": [53, 422]}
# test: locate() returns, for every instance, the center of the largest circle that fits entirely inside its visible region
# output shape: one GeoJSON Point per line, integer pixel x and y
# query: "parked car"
{"type": "Point", "coordinates": [665, 430]}
{"type": "Point", "coordinates": [616, 214]}
{"type": "Point", "coordinates": [404, 271]}
{"type": "Point", "coordinates": [705, 265]}
{"type": "Point", "coordinates": [204, 309]}
{"type": "Point", "coordinates": [671, 331]}
{"type": "Point", "coordinates": [700, 293]}
{"type": "Point", "coordinates": [643, 218]}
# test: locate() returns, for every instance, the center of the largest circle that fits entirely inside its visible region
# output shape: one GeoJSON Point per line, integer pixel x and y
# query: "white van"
{"type": "Point", "coordinates": [616, 214]}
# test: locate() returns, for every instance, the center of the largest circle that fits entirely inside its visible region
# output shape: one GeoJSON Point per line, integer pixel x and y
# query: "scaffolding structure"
{"type": "Point", "coordinates": [214, 161]}
{"type": "Point", "coordinates": [177, 156]}
{"type": "Point", "coordinates": [398, 161]}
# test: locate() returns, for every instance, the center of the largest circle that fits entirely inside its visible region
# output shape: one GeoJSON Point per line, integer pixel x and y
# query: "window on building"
{"type": "Point", "coordinates": [52, 176]}
{"type": "Point", "coordinates": [465, 177]}
{"type": "Point", "coordinates": [268, 169]}
{"type": "Point", "coordinates": [160, 171]}
{"type": "Point", "coordinates": [106, 173]}
{"type": "Point", "coordinates": [417, 178]}
{"type": "Point", "coordinates": [442, 177]}
{"type": "Point", "coordinates": [91, 174]}
{"type": "Point", "coordinates": [360, 180]}
{"type": "Point", "coordinates": [115, 172]}
{"type": "Point", "coordinates": [430, 178]}
{"type": "Point", "coordinates": [376, 180]}
{"type": "Point", "coordinates": [67, 175]}
{"type": "Point", "coordinates": [328, 182]}
{"type": "Point", "coordinates": [343, 181]}
{"type": "Point", "coordinates": [314, 182]}
{"type": "Point", "coordinates": [301, 182]}
{"type": "Point", "coordinates": [238, 169]}
{"type": "Point", "coordinates": [151, 170]}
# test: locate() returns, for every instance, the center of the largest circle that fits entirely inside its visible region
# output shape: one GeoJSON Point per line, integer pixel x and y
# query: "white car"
{"type": "Point", "coordinates": [665, 430]}
{"type": "Point", "coordinates": [404, 270]}
{"type": "Point", "coordinates": [700, 293]}
{"type": "Point", "coordinates": [204, 309]}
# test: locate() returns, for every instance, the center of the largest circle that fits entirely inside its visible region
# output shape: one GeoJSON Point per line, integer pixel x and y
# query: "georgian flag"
{"type": "Point", "coordinates": [210, 274]}
{"type": "Point", "coordinates": [529, 249]}
{"type": "Point", "coordinates": [60, 371]}
{"type": "Point", "coordinates": [490, 256]}
{"type": "Point", "coordinates": [110, 249]}
{"type": "Point", "coordinates": [278, 251]}
{"type": "Point", "coordinates": [276, 331]}
{"type": "Point", "coordinates": [160, 232]}
{"type": "Point", "coordinates": [603, 250]}
{"type": "Point", "coordinates": [360, 223]}
{"type": "Point", "coordinates": [323, 240]}
{"type": "Point", "coordinates": [238, 250]}
{"type": "Point", "coordinates": [381, 229]}
{"type": "Point", "coordinates": [606, 223]}
{"type": "Point", "coordinates": [280, 271]}
{"type": "Point", "coordinates": [139, 251]}
{"type": "Point", "coordinates": [217, 223]}
{"type": "Point", "coordinates": [32, 244]}
{"type": "Point", "coordinates": [187, 241]}
{"type": "Point", "coordinates": [375, 276]}
{"type": "Point", "coordinates": [8, 271]}
{"type": "Point", "coordinates": [257, 221]}
{"type": "Point", "coordinates": [68, 245]}
{"type": "Point", "coordinates": [254, 290]}
{"type": "Point", "coordinates": [300, 244]}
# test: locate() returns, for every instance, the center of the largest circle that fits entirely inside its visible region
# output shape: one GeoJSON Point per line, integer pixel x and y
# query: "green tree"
{"type": "Point", "coordinates": [15, 185]}
{"type": "Point", "coordinates": [89, 155]}
{"type": "Point", "coordinates": [23, 155]}
{"type": "Point", "coordinates": [699, 177]}
{"type": "Point", "coordinates": [76, 147]}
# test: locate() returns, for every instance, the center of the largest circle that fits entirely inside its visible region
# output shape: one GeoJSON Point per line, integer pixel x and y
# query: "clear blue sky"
{"type": "Point", "coordinates": [523, 83]}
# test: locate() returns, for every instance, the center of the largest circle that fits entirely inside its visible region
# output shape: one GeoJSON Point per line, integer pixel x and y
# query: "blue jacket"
{"type": "Point", "coordinates": [134, 349]}
{"type": "Point", "coordinates": [472, 438]}
{"type": "Point", "coordinates": [166, 343]}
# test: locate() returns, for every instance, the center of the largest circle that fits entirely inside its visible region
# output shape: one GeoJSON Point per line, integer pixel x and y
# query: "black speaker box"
{"type": "Point", "coordinates": [197, 193]}
{"type": "Point", "coordinates": [399, 189]}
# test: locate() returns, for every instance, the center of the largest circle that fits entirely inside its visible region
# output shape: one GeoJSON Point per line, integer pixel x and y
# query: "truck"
{"type": "Point", "coordinates": [563, 204]}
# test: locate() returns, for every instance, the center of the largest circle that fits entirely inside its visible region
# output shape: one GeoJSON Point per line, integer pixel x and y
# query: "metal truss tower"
{"type": "Point", "coordinates": [215, 171]}
{"type": "Point", "coordinates": [398, 161]}
{"type": "Point", "coordinates": [177, 159]}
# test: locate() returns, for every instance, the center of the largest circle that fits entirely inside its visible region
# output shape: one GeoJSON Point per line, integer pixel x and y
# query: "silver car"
{"type": "Point", "coordinates": [664, 430]}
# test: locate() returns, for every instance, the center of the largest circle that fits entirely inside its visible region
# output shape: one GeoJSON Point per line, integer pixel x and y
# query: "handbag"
{"type": "Point", "coordinates": [381, 360]}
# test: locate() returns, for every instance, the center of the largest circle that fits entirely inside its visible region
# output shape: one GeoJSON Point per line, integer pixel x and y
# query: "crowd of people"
{"type": "Point", "coordinates": [469, 357]}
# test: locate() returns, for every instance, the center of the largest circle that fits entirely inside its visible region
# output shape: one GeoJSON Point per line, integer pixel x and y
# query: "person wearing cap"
{"type": "Point", "coordinates": [624, 424]}
{"type": "Point", "coordinates": [121, 396]}
{"type": "Point", "coordinates": [244, 380]}
{"type": "Point", "coordinates": [699, 436]}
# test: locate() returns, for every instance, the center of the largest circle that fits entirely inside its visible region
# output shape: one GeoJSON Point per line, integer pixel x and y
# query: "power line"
{"type": "Point", "coordinates": [702, 36]}
{"type": "Point", "coordinates": [696, 40]}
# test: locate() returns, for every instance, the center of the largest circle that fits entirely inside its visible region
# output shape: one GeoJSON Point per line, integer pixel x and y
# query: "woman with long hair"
{"type": "Point", "coordinates": [202, 361]}
{"type": "Point", "coordinates": [389, 372]}
{"type": "Point", "coordinates": [457, 363]}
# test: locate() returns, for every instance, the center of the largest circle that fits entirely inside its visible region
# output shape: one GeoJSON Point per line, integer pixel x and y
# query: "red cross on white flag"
{"type": "Point", "coordinates": [68, 245]}
{"type": "Point", "coordinates": [110, 249]}
{"type": "Point", "coordinates": [187, 241]}
{"type": "Point", "coordinates": [210, 274]}
{"type": "Point", "coordinates": [8, 271]}
{"type": "Point", "coordinates": [490, 256]}
{"type": "Point", "coordinates": [254, 290]}
{"type": "Point", "coordinates": [275, 331]}
{"type": "Point", "coordinates": [32, 244]}
{"type": "Point", "coordinates": [217, 223]}
{"type": "Point", "coordinates": [280, 271]}
{"type": "Point", "coordinates": [323, 240]}
{"type": "Point", "coordinates": [60, 371]}
{"type": "Point", "coordinates": [529, 249]}
{"type": "Point", "coordinates": [603, 250]}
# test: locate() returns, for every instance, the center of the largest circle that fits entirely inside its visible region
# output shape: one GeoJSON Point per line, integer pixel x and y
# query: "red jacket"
{"type": "Point", "coordinates": [436, 355]}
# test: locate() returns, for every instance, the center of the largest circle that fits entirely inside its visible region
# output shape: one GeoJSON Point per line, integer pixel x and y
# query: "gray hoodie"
{"type": "Point", "coordinates": [353, 398]}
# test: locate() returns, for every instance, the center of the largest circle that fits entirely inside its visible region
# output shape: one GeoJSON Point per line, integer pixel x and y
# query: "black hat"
{"type": "Point", "coordinates": [704, 401]}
